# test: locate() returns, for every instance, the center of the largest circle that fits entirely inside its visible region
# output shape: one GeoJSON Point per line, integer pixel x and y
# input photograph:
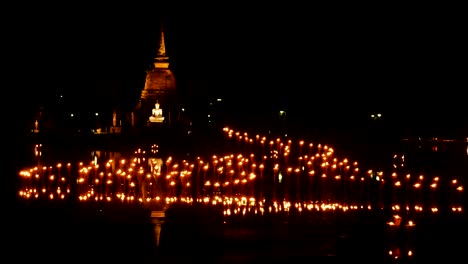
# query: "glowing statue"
{"type": "Point", "coordinates": [36, 126]}
{"type": "Point", "coordinates": [156, 115]}
{"type": "Point", "coordinates": [156, 110]}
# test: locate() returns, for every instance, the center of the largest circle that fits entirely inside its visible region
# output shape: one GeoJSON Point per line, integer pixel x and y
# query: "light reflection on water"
{"type": "Point", "coordinates": [257, 175]}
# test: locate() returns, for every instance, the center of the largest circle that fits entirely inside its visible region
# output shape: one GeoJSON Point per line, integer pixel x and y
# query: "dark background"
{"type": "Point", "coordinates": [341, 60]}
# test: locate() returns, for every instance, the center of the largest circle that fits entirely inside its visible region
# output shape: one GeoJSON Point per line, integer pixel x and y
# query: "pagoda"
{"type": "Point", "coordinates": [158, 94]}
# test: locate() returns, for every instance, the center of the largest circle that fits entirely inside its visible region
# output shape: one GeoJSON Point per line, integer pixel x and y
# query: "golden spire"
{"type": "Point", "coordinates": [161, 60]}
{"type": "Point", "coordinates": [162, 47]}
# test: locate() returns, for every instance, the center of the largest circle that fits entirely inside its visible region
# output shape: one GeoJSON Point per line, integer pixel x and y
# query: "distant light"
{"type": "Point", "coordinates": [183, 109]}
{"type": "Point", "coordinates": [97, 114]}
{"type": "Point", "coordinates": [219, 99]}
{"type": "Point", "coordinates": [72, 115]}
{"type": "Point", "coordinates": [376, 116]}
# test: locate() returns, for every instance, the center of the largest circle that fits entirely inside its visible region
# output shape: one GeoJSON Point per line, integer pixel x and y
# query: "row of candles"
{"type": "Point", "coordinates": [255, 175]}
{"type": "Point", "coordinates": [265, 172]}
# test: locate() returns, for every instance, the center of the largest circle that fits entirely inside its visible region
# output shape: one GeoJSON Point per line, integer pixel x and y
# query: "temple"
{"type": "Point", "coordinates": [159, 92]}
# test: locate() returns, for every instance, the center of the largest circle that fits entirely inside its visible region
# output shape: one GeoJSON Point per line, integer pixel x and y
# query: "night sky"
{"type": "Point", "coordinates": [399, 59]}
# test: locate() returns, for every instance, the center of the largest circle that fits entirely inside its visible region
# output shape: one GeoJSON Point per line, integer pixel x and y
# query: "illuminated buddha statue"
{"type": "Point", "coordinates": [156, 115]}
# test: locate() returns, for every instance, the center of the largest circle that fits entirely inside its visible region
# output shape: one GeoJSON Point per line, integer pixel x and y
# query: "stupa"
{"type": "Point", "coordinates": [159, 90]}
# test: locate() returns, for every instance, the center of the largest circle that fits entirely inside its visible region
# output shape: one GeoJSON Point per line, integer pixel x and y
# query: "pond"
{"type": "Point", "coordinates": [297, 192]}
